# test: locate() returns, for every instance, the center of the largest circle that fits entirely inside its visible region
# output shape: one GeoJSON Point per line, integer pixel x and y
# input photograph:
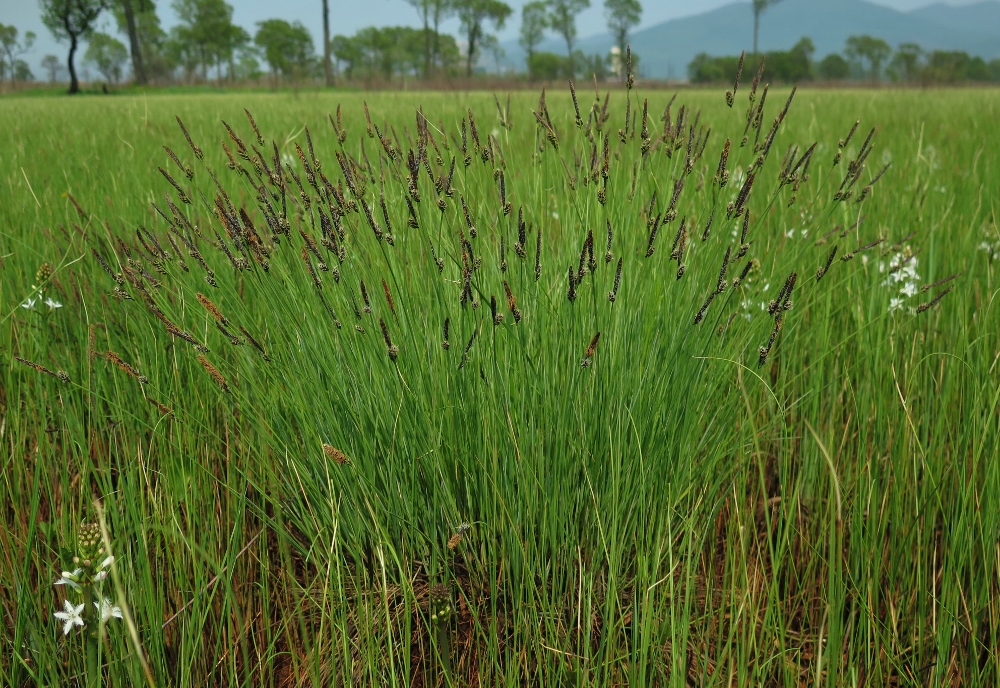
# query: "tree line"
{"type": "Point", "coordinates": [864, 58]}
{"type": "Point", "coordinates": [207, 44]}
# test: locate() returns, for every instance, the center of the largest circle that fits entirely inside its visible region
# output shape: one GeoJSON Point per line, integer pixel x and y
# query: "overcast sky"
{"type": "Point", "coordinates": [347, 16]}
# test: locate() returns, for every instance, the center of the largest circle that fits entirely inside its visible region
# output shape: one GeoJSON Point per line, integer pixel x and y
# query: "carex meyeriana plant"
{"type": "Point", "coordinates": [600, 414]}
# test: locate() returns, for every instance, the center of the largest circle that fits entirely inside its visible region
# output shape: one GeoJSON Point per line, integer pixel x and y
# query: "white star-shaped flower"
{"type": "Point", "coordinates": [69, 578]}
{"type": "Point", "coordinates": [70, 617]}
{"type": "Point", "coordinates": [52, 303]}
{"type": "Point", "coordinates": [29, 304]}
{"type": "Point", "coordinates": [108, 611]}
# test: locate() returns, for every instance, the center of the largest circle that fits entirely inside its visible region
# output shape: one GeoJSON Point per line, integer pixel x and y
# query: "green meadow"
{"type": "Point", "coordinates": [360, 402]}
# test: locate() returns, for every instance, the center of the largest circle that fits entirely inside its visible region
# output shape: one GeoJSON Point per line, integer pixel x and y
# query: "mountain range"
{"type": "Point", "coordinates": [667, 48]}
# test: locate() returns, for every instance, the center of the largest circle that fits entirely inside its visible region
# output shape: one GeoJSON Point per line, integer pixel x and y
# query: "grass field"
{"type": "Point", "coordinates": [321, 458]}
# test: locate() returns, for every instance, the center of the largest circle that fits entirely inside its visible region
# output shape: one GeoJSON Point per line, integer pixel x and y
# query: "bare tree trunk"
{"type": "Point", "coordinates": [74, 84]}
{"type": "Point", "coordinates": [756, 27]}
{"type": "Point", "coordinates": [133, 38]}
{"type": "Point", "coordinates": [472, 51]}
{"type": "Point", "coordinates": [327, 67]}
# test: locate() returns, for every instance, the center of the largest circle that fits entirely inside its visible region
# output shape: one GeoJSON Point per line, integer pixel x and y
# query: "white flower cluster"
{"type": "Point", "coordinates": [992, 249]}
{"type": "Point", "coordinates": [901, 277]}
{"type": "Point", "coordinates": [79, 580]}
{"type": "Point", "coordinates": [32, 301]}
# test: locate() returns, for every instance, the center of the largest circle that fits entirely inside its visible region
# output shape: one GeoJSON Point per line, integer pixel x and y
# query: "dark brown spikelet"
{"type": "Point", "coordinates": [188, 172]}
{"type": "Point", "coordinates": [162, 408]}
{"type": "Point", "coordinates": [335, 454]}
{"type": "Point", "coordinates": [708, 226]}
{"type": "Point", "coordinates": [257, 345]}
{"type": "Point", "coordinates": [468, 347]}
{"type": "Point", "coordinates": [571, 292]}
{"type": "Point", "coordinates": [928, 287]}
{"type": "Point", "coordinates": [212, 308]}
{"type": "Point", "coordinates": [722, 174]}
{"type": "Point", "coordinates": [629, 77]}
{"type": "Point", "coordinates": [445, 344]}
{"type": "Point", "coordinates": [721, 284]}
{"type": "Point", "coordinates": [125, 367]}
{"type": "Point", "coordinates": [392, 349]}
{"type": "Point", "coordinates": [118, 278]}
{"type": "Point", "coordinates": [368, 120]}
{"type": "Point", "coordinates": [253, 125]}
{"type": "Point", "coordinates": [194, 149]}
{"type": "Point", "coordinates": [652, 236]}
{"type": "Point", "coordinates": [743, 274]}
{"type": "Point", "coordinates": [42, 369]}
{"type": "Point", "coordinates": [765, 350]}
{"type": "Point", "coordinates": [671, 213]}
{"type": "Point", "coordinates": [512, 303]}
{"type": "Point", "coordinates": [522, 233]}
{"type": "Point", "coordinates": [608, 255]}
{"type": "Point", "coordinates": [180, 192]}
{"type": "Point", "coordinates": [214, 373]}
{"type": "Point", "coordinates": [468, 218]}
{"type": "Point", "coordinates": [576, 105]}
{"type": "Point", "coordinates": [455, 540]}
{"type": "Point", "coordinates": [473, 130]}
{"type": "Point", "coordinates": [364, 296]}
{"type": "Point", "coordinates": [388, 297]}
{"type": "Point", "coordinates": [680, 240]}
{"type": "Point", "coordinates": [741, 198]}
{"type": "Point", "coordinates": [310, 269]}
{"type": "Point", "coordinates": [731, 95]}
{"type": "Point", "coordinates": [538, 254]}
{"type": "Point", "coordinates": [497, 315]}
{"type": "Point", "coordinates": [933, 302]}
{"type": "Point", "coordinates": [613, 294]}
{"type": "Point", "coordinates": [826, 266]}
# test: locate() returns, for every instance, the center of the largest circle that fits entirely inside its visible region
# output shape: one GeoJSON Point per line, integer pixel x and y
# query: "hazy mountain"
{"type": "Point", "coordinates": [666, 49]}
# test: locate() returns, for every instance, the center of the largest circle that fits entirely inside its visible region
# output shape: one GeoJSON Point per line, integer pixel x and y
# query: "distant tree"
{"type": "Point", "coordinates": [977, 70]}
{"type": "Point", "coordinates": [207, 26]}
{"type": "Point", "coordinates": [905, 65]}
{"type": "Point", "coordinates": [594, 65]}
{"type": "Point", "coordinates": [473, 14]}
{"type": "Point", "coordinates": [327, 63]}
{"type": "Point", "coordinates": [11, 48]}
{"type": "Point", "coordinates": [834, 67]}
{"type": "Point", "coordinates": [22, 71]}
{"type": "Point", "coordinates": [131, 28]}
{"type": "Point", "coordinates": [424, 8]}
{"type": "Point", "coordinates": [758, 9]}
{"type": "Point", "coordinates": [865, 47]}
{"type": "Point", "coordinates": [546, 66]}
{"type": "Point", "coordinates": [52, 65]}
{"type": "Point", "coordinates": [534, 20]}
{"type": "Point", "coordinates": [799, 66]}
{"type": "Point", "coordinates": [390, 51]}
{"type": "Point", "coordinates": [71, 20]}
{"type": "Point", "coordinates": [993, 66]}
{"type": "Point", "coordinates": [490, 44]}
{"type": "Point", "coordinates": [108, 55]}
{"type": "Point", "coordinates": [440, 10]}
{"type": "Point", "coordinates": [148, 39]}
{"type": "Point", "coordinates": [947, 66]}
{"type": "Point", "coordinates": [705, 69]}
{"type": "Point", "coordinates": [287, 48]}
{"type": "Point", "coordinates": [622, 15]}
{"type": "Point", "coordinates": [562, 20]}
